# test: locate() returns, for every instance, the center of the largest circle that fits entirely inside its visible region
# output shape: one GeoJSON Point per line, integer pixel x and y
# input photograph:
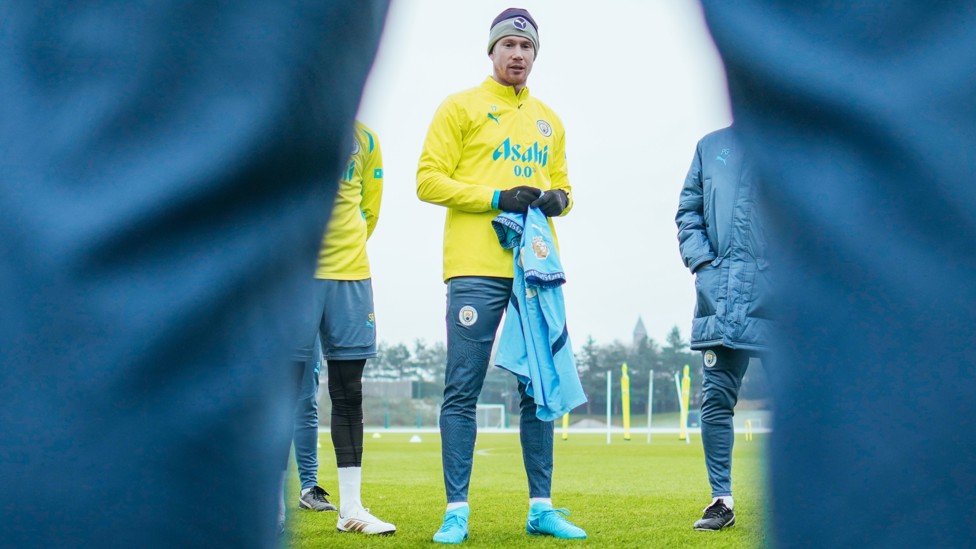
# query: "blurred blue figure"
{"type": "Point", "coordinates": [864, 117]}
{"type": "Point", "coordinates": [166, 174]}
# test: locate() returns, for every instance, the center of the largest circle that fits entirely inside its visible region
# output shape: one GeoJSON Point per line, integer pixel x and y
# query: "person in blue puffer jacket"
{"type": "Point", "coordinates": [722, 242]}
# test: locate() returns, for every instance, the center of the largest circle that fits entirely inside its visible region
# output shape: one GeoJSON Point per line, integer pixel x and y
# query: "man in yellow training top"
{"type": "Point", "coordinates": [342, 316]}
{"type": "Point", "coordinates": [489, 149]}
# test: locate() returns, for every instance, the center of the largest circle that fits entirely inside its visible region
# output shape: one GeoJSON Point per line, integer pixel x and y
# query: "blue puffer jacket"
{"type": "Point", "coordinates": [722, 241]}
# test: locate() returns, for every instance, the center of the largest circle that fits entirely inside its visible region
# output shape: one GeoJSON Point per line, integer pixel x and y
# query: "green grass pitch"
{"type": "Point", "coordinates": [626, 494]}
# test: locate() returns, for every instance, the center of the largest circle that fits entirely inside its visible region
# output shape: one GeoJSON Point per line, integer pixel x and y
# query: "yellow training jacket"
{"type": "Point", "coordinates": [356, 210]}
{"type": "Point", "coordinates": [482, 140]}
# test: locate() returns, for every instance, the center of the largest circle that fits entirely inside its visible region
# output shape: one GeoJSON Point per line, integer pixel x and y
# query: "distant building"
{"type": "Point", "coordinates": [640, 332]}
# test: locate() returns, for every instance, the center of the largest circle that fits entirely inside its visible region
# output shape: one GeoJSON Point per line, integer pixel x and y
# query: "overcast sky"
{"type": "Point", "coordinates": [636, 84]}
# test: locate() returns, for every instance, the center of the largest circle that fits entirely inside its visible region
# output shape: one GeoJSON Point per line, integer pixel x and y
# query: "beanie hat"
{"type": "Point", "coordinates": [514, 22]}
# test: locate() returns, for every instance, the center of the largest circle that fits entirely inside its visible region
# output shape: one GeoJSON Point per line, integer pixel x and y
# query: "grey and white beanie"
{"type": "Point", "coordinates": [514, 22]}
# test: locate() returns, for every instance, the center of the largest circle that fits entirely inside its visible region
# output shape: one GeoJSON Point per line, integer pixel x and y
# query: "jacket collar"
{"type": "Point", "coordinates": [505, 92]}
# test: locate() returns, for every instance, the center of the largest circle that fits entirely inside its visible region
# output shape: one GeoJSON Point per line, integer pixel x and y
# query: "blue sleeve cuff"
{"type": "Point", "coordinates": [494, 200]}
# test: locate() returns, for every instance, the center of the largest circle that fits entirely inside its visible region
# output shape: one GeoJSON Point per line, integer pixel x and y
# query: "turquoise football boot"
{"type": "Point", "coordinates": [545, 521]}
{"type": "Point", "coordinates": [455, 527]}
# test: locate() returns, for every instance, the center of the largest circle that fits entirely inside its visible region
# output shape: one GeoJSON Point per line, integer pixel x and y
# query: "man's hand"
{"type": "Point", "coordinates": [517, 199]}
{"type": "Point", "coordinates": [552, 202]}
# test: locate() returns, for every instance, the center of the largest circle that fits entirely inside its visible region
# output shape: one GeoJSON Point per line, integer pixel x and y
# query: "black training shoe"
{"type": "Point", "coordinates": [315, 500]}
{"type": "Point", "coordinates": [716, 517]}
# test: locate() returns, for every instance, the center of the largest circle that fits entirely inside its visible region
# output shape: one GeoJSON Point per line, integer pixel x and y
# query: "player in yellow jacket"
{"type": "Point", "coordinates": [341, 315]}
{"type": "Point", "coordinates": [489, 149]}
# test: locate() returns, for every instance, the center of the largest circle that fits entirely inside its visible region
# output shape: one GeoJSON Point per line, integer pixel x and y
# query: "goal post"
{"type": "Point", "coordinates": [491, 416]}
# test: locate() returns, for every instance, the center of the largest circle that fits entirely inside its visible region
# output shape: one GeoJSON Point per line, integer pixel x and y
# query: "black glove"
{"type": "Point", "coordinates": [517, 199]}
{"type": "Point", "coordinates": [552, 203]}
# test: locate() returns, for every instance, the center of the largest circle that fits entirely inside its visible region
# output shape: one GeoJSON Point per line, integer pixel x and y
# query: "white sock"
{"type": "Point", "coordinates": [306, 490]}
{"type": "Point", "coordinates": [350, 483]}
{"type": "Point", "coordinates": [456, 505]}
{"type": "Point", "coordinates": [547, 501]}
{"type": "Point", "coordinates": [729, 502]}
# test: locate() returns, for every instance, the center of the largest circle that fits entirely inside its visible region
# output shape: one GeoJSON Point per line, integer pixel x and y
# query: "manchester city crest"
{"type": "Point", "coordinates": [710, 358]}
{"type": "Point", "coordinates": [539, 247]}
{"type": "Point", "coordinates": [544, 128]}
{"type": "Point", "coordinates": [468, 315]}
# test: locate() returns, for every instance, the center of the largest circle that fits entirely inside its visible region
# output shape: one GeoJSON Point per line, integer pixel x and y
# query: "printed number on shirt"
{"type": "Point", "coordinates": [523, 171]}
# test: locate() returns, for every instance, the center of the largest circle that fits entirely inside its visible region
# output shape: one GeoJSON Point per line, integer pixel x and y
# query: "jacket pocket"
{"type": "Point", "coordinates": [708, 214]}
{"type": "Point", "coordinates": [761, 291]}
{"type": "Point", "coordinates": [706, 287]}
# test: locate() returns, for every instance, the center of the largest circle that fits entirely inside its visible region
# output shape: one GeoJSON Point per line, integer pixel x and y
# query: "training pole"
{"type": "Point", "coordinates": [609, 400]}
{"type": "Point", "coordinates": [681, 424]}
{"type": "Point", "coordinates": [685, 403]}
{"type": "Point", "coordinates": [566, 426]}
{"type": "Point", "coordinates": [650, 400]}
{"type": "Point", "coordinates": [625, 400]}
